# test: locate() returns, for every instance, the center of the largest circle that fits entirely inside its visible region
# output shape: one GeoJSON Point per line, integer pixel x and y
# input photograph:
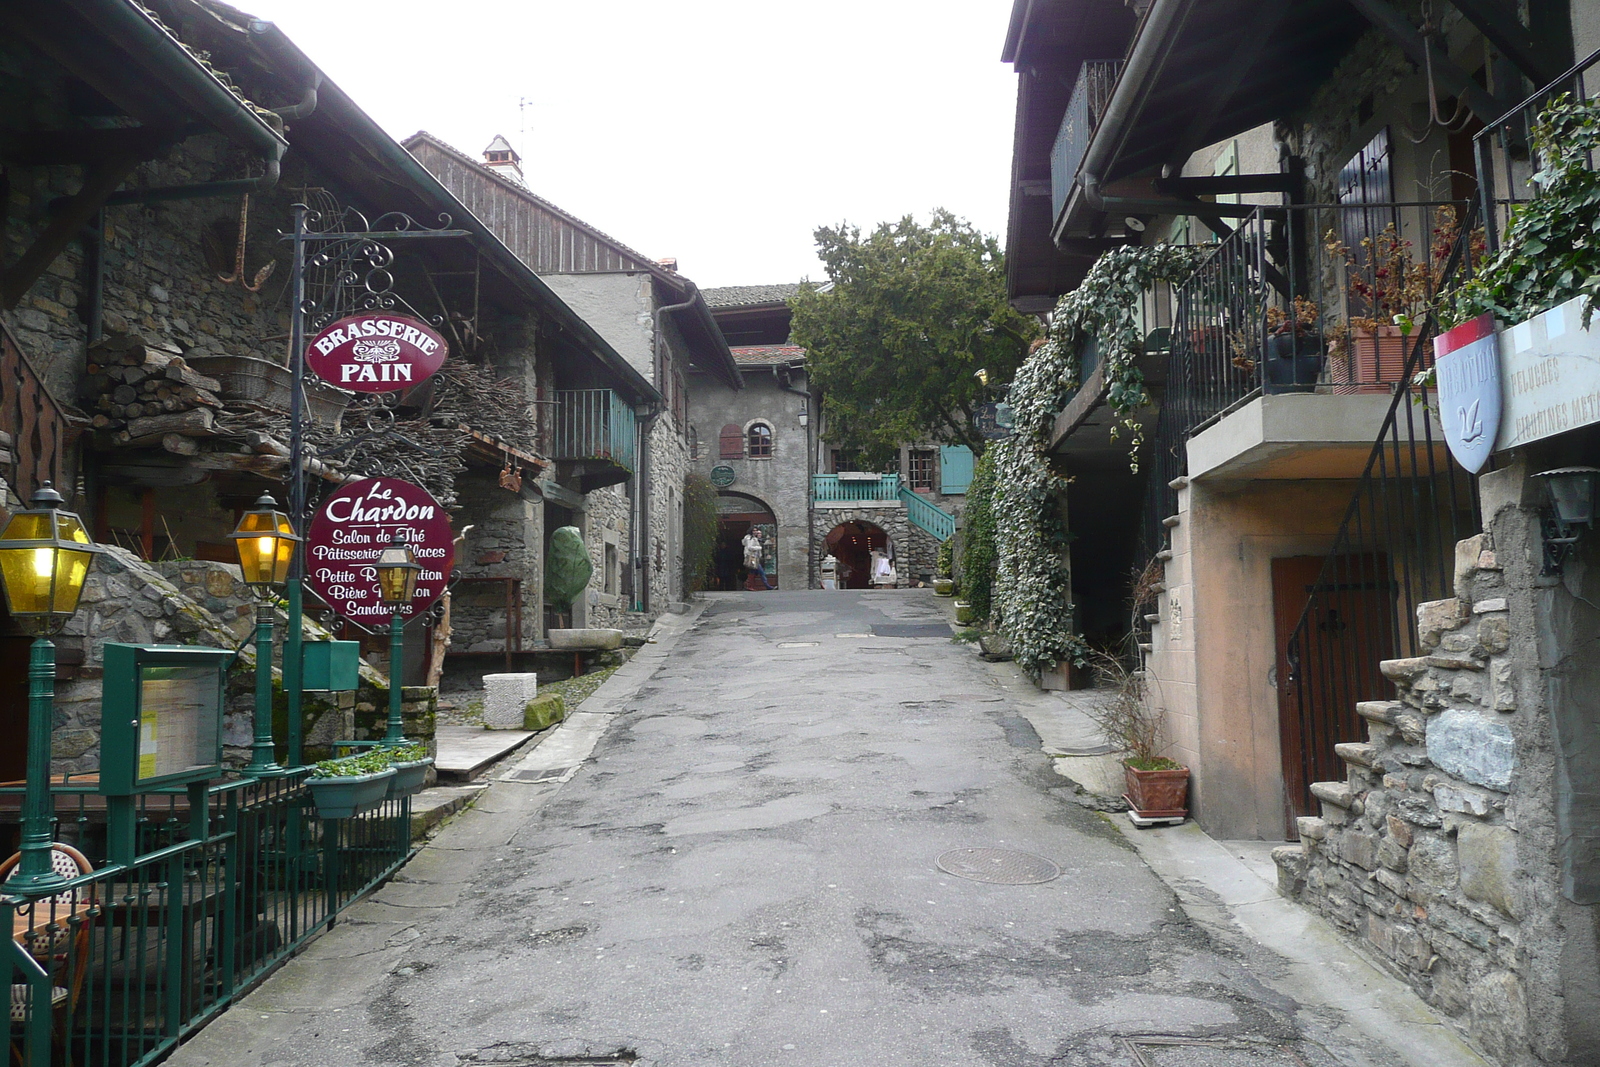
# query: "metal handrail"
{"type": "Point", "coordinates": [937, 522]}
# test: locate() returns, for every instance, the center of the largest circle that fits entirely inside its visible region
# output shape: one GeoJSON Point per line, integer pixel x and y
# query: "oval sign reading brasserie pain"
{"type": "Point", "coordinates": [376, 352]}
{"type": "Point", "coordinates": [358, 520]}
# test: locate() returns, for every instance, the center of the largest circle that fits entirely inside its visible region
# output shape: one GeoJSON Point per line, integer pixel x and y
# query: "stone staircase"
{"type": "Point", "coordinates": [1414, 855]}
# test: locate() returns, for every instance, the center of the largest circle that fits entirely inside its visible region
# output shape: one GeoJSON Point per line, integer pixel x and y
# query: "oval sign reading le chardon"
{"type": "Point", "coordinates": [376, 352]}
{"type": "Point", "coordinates": [350, 528]}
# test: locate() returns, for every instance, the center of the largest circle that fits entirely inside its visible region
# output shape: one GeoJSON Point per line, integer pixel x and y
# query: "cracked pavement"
{"type": "Point", "coordinates": [743, 872]}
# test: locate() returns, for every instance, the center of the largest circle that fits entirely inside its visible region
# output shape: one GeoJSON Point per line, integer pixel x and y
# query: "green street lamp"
{"type": "Point", "coordinates": [397, 569]}
{"type": "Point", "coordinates": [265, 541]}
{"type": "Point", "coordinates": [45, 555]}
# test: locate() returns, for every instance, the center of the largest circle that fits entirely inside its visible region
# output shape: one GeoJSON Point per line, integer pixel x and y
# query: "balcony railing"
{"type": "Point", "coordinates": [595, 424]}
{"type": "Point", "coordinates": [1504, 152]}
{"type": "Point", "coordinates": [852, 487]}
{"type": "Point", "coordinates": [38, 424]}
{"type": "Point", "coordinates": [1084, 110]}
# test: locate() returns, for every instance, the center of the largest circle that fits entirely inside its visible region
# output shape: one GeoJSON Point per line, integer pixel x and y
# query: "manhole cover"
{"type": "Point", "coordinates": [911, 629]}
{"type": "Point", "coordinates": [798, 644]}
{"type": "Point", "coordinates": [538, 775]}
{"type": "Point", "coordinates": [1002, 866]}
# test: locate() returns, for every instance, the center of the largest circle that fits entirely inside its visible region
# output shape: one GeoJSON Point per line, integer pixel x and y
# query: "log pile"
{"type": "Point", "coordinates": [141, 393]}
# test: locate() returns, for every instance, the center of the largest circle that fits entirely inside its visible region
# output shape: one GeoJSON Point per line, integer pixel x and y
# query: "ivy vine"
{"type": "Point", "coordinates": [1032, 591]}
{"type": "Point", "coordinates": [1551, 251]}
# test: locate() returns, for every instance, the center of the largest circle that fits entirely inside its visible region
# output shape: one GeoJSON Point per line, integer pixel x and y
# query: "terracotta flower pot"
{"type": "Point", "coordinates": [1157, 794]}
{"type": "Point", "coordinates": [1374, 361]}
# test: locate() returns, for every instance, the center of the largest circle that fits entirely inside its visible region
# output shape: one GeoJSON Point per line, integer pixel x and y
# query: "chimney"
{"type": "Point", "coordinates": [669, 263]}
{"type": "Point", "coordinates": [501, 158]}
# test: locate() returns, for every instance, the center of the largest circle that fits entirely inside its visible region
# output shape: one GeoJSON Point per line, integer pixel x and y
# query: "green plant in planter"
{"type": "Point", "coordinates": [412, 753]}
{"type": "Point", "coordinates": [1550, 254]}
{"type": "Point", "coordinates": [946, 559]}
{"type": "Point", "coordinates": [1124, 717]}
{"type": "Point", "coordinates": [371, 762]}
{"type": "Point", "coordinates": [567, 568]}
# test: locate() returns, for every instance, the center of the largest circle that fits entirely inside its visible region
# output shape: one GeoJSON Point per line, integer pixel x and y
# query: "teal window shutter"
{"type": "Point", "coordinates": [955, 469]}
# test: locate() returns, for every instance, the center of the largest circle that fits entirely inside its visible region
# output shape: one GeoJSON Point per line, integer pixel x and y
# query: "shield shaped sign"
{"type": "Point", "coordinates": [351, 527]}
{"type": "Point", "coordinates": [376, 352]}
{"type": "Point", "coordinates": [1467, 362]}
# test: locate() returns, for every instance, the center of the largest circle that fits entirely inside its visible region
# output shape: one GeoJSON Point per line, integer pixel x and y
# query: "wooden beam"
{"type": "Point", "coordinates": [16, 280]}
{"type": "Point", "coordinates": [1425, 52]}
{"type": "Point", "coordinates": [1516, 42]}
{"type": "Point", "coordinates": [1225, 82]}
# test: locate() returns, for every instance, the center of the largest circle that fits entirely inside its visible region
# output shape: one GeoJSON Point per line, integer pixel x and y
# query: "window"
{"type": "Point", "coordinates": [730, 442]}
{"type": "Point", "coordinates": [843, 460]}
{"type": "Point", "coordinates": [920, 462]}
{"type": "Point", "coordinates": [611, 568]}
{"type": "Point", "coordinates": [760, 436]}
{"type": "Point", "coordinates": [694, 443]}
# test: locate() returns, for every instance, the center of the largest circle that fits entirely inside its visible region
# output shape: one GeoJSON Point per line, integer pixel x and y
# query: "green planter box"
{"type": "Point", "coordinates": [964, 613]}
{"type": "Point", "coordinates": [944, 587]}
{"type": "Point", "coordinates": [351, 795]}
{"type": "Point", "coordinates": [409, 778]}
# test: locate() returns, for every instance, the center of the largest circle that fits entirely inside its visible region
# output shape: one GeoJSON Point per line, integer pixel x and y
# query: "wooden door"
{"type": "Point", "coordinates": [1330, 665]}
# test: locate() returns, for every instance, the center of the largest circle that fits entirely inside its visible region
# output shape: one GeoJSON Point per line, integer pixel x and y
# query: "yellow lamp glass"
{"type": "Point", "coordinates": [265, 541]}
{"type": "Point", "coordinates": [45, 555]}
{"type": "Point", "coordinates": [397, 569]}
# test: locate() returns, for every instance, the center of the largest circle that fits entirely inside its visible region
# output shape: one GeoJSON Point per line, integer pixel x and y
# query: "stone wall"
{"type": "Point", "coordinates": [1436, 853]}
{"type": "Point", "coordinates": [606, 522]}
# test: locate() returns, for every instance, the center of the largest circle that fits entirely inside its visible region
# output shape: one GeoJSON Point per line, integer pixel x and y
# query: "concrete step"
{"type": "Point", "coordinates": [465, 752]}
{"type": "Point", "coordinates": [431, 807]}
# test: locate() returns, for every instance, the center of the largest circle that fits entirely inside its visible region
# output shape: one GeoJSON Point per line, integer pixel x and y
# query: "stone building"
{"type": "Point", "coordinates": [1354, 643]}
{"type": "Point", "coordinates": [658, 321]}
{"type": "Point", "coordinates": [775, 469]}
{"type": "Point", "coordinates": [144, 354]}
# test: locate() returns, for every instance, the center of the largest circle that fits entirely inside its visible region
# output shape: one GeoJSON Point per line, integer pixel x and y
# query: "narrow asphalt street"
{"type": "Point", "coordinates": [745, 873]}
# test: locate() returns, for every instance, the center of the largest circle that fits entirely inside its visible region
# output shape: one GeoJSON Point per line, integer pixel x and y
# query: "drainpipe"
{"type": "Point", "coordinates": [646, 427]}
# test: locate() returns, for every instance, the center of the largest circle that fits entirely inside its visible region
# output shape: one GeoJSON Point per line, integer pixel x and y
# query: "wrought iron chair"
{"type": "Point", "coordinates": [60, 942]}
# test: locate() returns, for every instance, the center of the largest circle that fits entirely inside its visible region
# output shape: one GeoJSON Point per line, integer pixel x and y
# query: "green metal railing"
{"type": "Point", "coordinates": [113, 968]}
{"type": "Point", "coordinates": [937, 522]}
{"type": "Point", "coordinates": [595, 424]}
{"type": "Point", "coordinates": [830, 488]}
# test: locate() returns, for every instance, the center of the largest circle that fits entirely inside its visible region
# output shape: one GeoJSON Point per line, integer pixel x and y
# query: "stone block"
{"type": "Point", "coordinates": [1473, 748]}
{"type": "Point", "coordinates": [1337, 794]}
{"type": "Point", "coordinates": [1454, 661]}
{"type": "Point", "coordinates": [1487, 857]}
{"type": "Point", "coordinates": [1467, 552]}
{"type": "Point", "coordinates": [1392, 854]}
{"type": "Point", "coordinates": [1462, 799]}
{"type": "Point", "coordinates": [1404, 671]}
{"type": "Point", "coordinates": [1291, 862]}
{"type": "Point", "coordinates": [1311, 828]}
{"type": "Point", "coordinates": [1483, 607]}
{"type": "Point", "coordinates": [1494, 634]}
{"type": "Point", "coordinates": [1436, 617]}
{"type": "Point", "coordinates": [591, 638]}
{"type": "Point", "coordinates": [1384, 711]}
{"type": "Point", "coordinates": [1361, 755]}
{"type": "Point", "coordinates": [544, 712]}
{"type": "Point", "coordinates": [1359, 849]}
{"type": "Point", "coordinates": [1432, 861]}
{"type": "Point", "coordinates": [1400, 830]}
{"type": "Point", "coordinates": [506, 698]}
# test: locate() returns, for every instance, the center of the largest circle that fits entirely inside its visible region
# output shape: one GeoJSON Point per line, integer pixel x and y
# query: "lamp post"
{"type": "Point", "coordinates": [265, 541]}
{"type": "Point", "coordinates": [397, 569]}
{"type": "Point", "coordinates": [44, 559]}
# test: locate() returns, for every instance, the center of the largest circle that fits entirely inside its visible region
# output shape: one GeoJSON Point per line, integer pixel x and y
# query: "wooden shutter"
{"type": "Point", "coordinates": [955, 468]}
{"type": "Point", "coordinates": [731, 442]}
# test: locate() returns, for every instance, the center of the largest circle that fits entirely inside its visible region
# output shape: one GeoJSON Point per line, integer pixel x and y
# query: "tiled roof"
{"type": "Point", "coordinates": [767, 355]}
{"type": "Point", "coordinates": [740, 295]}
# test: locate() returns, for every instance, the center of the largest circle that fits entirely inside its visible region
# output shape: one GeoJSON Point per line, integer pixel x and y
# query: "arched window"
{"type": "Point", "coordinates": [730, 442]}
{"type": "Point", "coordinates": [760, 439]}
{"type": "Point", "coordinates": [694, 443]}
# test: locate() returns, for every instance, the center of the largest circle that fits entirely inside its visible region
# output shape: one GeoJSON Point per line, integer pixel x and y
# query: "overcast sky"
{"type": "Point", "coordinates": [722, 132]}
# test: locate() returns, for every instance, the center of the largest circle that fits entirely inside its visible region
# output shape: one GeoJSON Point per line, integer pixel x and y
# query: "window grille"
{"type": "Point", "coordinates": [760, 441]}
{"type": "Point", "coordinates": [921, 468]}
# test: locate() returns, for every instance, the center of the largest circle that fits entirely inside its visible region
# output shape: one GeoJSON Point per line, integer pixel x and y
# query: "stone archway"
{"type": "Point", "coordinates": [737, 513]}
{"type": "Point", "coordinates": [852, 543]}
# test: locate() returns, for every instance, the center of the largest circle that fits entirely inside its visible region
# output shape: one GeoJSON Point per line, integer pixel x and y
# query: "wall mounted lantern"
{"type": "Point", "coordinates": [44, 561]}
{"type": "Point", "coordinates": [265, 541]}
{"type": "Point", "coordinates": [1571, 504]}
{"type": "Point", "coordinates": [397, 569]}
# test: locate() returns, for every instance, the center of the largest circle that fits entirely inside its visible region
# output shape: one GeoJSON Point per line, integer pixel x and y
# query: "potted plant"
{"type": "Point", "coordinates": [943, 583]}
{"type": "Point", "coordinates": [410, 763]}
{"type": "Point", "coordinates": [1157, 787]}
{"type": "Point", "coordinates": [347, 787]}
{"type": "Point", "coordinates": [1386, 289]}
{"type": "Point", "coordinates": [1293, 352]}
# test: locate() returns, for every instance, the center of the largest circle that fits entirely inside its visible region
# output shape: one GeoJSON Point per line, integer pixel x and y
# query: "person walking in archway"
{"type": "Point", "coordinates": [754, 550]}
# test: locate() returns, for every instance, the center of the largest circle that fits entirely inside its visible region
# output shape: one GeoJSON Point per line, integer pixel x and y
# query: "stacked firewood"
{"type": "Point", "coordinates": [142, 393]}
